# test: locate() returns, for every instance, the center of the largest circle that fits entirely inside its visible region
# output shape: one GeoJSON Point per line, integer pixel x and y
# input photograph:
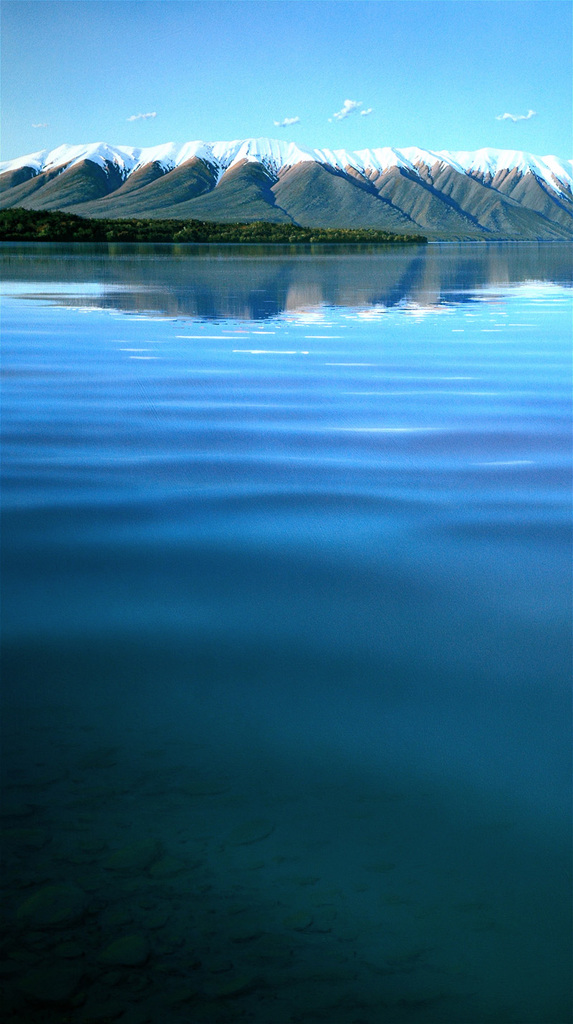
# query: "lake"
{"type": "Point", "coordinates": [287, 633]}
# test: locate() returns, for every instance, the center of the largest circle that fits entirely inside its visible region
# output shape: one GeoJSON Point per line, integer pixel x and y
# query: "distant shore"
{"type": "Point", "coordinates": [20, 225]}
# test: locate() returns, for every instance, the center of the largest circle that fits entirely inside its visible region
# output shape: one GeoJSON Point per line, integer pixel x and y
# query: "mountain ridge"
{"type": "Point", "coordinates": [489, 193]}
{"type": "Point", "coordinates": [277, 153]}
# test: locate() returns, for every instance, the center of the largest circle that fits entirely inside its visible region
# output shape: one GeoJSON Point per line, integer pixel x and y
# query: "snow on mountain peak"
{"type": "Point", "coordinates": [489, 162]}
{"type": "Point", "coordinates": [276, 154]}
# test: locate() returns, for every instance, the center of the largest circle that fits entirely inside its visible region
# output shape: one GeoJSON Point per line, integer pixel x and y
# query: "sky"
{"type": "Point", "coordinates": [439, 74]}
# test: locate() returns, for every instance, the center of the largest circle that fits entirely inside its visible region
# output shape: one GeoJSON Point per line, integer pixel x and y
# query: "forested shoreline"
{"type": "Point", "coordinates": [21, 225]}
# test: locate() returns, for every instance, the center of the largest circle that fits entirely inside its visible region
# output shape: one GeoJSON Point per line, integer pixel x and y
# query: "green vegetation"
{"type": "Point", "coordinates": [20, 225]}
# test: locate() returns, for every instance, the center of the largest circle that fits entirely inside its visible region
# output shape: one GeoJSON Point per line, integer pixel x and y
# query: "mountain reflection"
{"type": "Point", "coordinates": [258, 282]}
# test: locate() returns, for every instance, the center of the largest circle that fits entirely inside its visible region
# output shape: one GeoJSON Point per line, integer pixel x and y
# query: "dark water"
{"type": "Point", "coordinates": [286, 625]}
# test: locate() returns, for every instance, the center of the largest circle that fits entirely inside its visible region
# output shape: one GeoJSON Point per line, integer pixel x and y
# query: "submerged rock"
{"type": "Point", "coordinates": [169, 866]}
{"type": "Point", "coordinates": [53, 906]}
{"type": "Point", "coordinates": [134, 857]}
{"type": "Point", "coordinates": [101, 757]}
{"type": "Point", "coordinates": [51, 983]}
{"type": "Point", "coordinates": [101, 1006]}
{"type": "Point", "coordinates": [203, 787]}
{"type": "Point", "coordinates": [116, 917]}
{"type": "Point", "coordinates": [298, 921]}
{"type": "Point", "coordinates": [157, 918]}
{"type": "Point", "coordinates": [251, 832]}
{"type": "Point", "coordinates": [183, 994]}
{"type": "Point", "coordinates": [31, 838]}
{"type": "Point", "coordinates": [69, 950]}
{"type": "Point", "coordinates": [16, 807]}
{"type": "Point", "coordinates": [229, 986]}
{"type": "Point", "coordinates": [128, 951]}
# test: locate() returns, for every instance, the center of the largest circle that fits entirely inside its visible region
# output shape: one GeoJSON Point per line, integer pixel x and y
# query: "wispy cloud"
{"type": "Point", "coordinates": [286, 122]}
{"type": "Point", "coordinates": [515, 117]}
{"type": "Point", "coordinates": [364, 113]}
{"type": "Point", "coordinates": [142, 117]}
{"type": "Point", "coordinates": [41, 124]}
{"type": "Point", "coordinates": [348, 107]}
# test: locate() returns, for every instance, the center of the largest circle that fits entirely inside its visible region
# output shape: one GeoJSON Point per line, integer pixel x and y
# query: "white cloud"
{"type": "Point", "coordinates": [286, 122]}
{"type": "Point", "coordinates": [43, 124]}
{"type": "Point", "coordinates": [364, 113]}
{"type": "Point", "coordinates": [348, 107]}
{"type": "Point", "coordinates": [515, 117]}
{"type": "Point", "coordinates": [139, 117]}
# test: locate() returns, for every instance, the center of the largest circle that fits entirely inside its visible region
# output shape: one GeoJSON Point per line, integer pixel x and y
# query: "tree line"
{"type": "Point", "coordinates": [20, 225]}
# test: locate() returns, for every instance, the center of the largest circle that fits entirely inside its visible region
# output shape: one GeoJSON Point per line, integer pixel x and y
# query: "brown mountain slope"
{"type": "Point", "coordinates": [151, 192]}
{"type": "Point", "coordinates": [420, 201]}
{"type": "Point", "coordinates": [61, 191]}
{"type": "Point", "coordinates": [11, 179]}
{"type": "Point", "coordinates": [316, 196]}
{"type": "Point", "coordinates": [532, 194]}
{"type": "Point", "coordinates": [17, 193]}
{"type": "Point", "coordinates": [439, 201]}
{"type": "Point", "coordinates": [243, 194]}
{"type": "Point", "coordinates": [469, 197]}
{"type": "Point", "coordinates": [446, 203]}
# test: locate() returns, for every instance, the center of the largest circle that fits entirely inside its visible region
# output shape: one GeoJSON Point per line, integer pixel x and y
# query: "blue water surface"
{"type": "Point", "coordinates": [286, 541]}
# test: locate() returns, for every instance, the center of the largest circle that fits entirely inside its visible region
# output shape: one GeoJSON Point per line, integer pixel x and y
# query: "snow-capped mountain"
{"type": "Point", "coordinates": [487, 193]}
{"type": "Point", "coordinates": [275, 154]}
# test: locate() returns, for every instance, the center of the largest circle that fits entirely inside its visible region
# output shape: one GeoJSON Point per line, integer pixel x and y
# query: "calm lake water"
{"type": "Point", "coordinates": [287, 645]}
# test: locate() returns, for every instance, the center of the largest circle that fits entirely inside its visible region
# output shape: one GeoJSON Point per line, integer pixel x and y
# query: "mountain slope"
{"type": "Point", "coordinates": [319, 196]}
{"type": "Point", "coordinates": [155, 191]}
{"type": "Point", "coordinates": [447, 201]}
{"type": "Point", "coordinates": [533, 194]}
{"type": "Point", "coordinates": [484, 194]}
{"type": "Point", "coordinates": [243, 193]}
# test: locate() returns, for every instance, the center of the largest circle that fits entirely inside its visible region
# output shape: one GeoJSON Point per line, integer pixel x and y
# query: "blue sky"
{"type": "Point", "coordinates": [439, 75]}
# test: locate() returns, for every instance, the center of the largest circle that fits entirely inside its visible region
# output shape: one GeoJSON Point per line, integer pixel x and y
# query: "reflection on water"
{"type": "Point", "coordinates": [287, 646]}
{"type": "Point", "coordinates": [258, 282]}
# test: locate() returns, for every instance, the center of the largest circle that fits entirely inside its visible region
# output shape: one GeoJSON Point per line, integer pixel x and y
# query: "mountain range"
{"type": "Point", "coordinates": [487, 194]}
